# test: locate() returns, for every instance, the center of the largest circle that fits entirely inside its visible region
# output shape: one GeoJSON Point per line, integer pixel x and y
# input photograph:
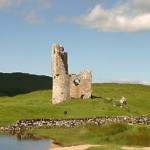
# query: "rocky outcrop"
{"type": "Point", "coordinates": [25, 124]}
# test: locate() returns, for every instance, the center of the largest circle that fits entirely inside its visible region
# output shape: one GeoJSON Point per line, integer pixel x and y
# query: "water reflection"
{"type": "Point", "coordinates": [25, 136]}
{"type": "Point", "coordinates": [23, 142]}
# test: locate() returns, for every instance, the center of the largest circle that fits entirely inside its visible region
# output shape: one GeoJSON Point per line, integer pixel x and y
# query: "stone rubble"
{"type": "Point", "coordinates": [25, 124]}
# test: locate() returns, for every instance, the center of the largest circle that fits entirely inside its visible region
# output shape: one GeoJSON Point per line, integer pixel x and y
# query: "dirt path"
{"type": "Point", "coordinates": [83, 147]}
{"type": "Point", "coordinates": [79, 147]}
{"type": "Point", "coordinates": [135, 148]}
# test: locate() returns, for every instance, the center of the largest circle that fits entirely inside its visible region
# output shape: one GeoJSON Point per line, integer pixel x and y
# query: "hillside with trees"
{"type": "Point", "coordinates": [12, 84]}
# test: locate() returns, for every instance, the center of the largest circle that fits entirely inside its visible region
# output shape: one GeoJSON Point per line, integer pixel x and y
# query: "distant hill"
{"type": "Point", "coordinates": [12, 84]}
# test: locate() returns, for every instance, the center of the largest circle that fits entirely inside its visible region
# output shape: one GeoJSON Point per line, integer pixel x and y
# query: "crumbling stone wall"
{"type": "Point", "coordinates": [80, 85]}
{"type": "Point", "coordinates": [67, 86]}
{"type": "Point", "coordinates": [25, 124]}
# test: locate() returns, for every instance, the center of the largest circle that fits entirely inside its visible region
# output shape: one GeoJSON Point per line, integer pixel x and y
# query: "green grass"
{"type": "Point", "coordinates": [38, 104]}
{"type": "Point", "coordinates": [116, 134]}
{"type": "Point", "coordinates": [106, 147]}
{"type": "Point", "coordinates": [137, 95]}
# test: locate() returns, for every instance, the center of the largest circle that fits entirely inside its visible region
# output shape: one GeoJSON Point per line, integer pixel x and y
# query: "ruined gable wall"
{"type": "Point", "coordinates": [86, 78]}
{"type": "Point", "coordinates": [83, 88]}
{"type": "Point", "coordinates": [75, 90]}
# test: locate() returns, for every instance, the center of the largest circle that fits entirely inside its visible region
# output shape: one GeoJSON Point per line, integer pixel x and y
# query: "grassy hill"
{"type": "Point", "coordinates": [38, 104]}
{"type": "Point", "coordinates": [12, 84]}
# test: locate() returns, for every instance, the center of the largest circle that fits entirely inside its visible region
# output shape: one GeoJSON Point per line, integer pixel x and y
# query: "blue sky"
{"type": "Point", "coordinates": [109, 37]}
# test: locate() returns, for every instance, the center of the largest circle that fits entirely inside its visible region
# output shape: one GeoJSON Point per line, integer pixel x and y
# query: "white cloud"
{"type": "Point", "coordinates": [140, 5]}
{"type": "Point", "coordinates": [33, 18]}
{"type": "Point", "coordinates": [44, 3]}
{"type": "Point", "coordinates": [61, 19]}
{"type": "Point", "coordinates": [130, 81]}
{"type": "Point", "coordinates": [4, 4]}
{"type": "Point", "coordinates": [31, 12]}
{"type": "Point", "coordinates": [145, 82]}
{"type": "Point", "coordinates": [132, 16]}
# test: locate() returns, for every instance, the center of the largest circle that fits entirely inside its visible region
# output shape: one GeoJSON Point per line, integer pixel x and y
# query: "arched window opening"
{"type": "Point", "coordinates": [76, 82]}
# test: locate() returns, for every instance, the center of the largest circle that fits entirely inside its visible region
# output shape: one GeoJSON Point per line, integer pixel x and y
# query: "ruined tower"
{"type": "Point", "coordinates": [67, 86]}
{"type": "Point", "coordinates": [61, 88]}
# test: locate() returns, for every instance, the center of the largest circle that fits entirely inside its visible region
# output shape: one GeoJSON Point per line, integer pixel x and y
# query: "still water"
{"type": "Point", "coordinates": [16, 143]}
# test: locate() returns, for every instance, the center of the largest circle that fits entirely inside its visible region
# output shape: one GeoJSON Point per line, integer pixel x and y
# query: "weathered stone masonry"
{"type": "Point", "coordinates": [65, 85]}
{"type": "Point", "coordinates": [25, 124]}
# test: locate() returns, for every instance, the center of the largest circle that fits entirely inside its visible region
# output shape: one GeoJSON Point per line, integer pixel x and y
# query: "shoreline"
{"type": "Point", "coordinates": [77, 147]}
{"type": "Point", "coordinates": [85, 146]}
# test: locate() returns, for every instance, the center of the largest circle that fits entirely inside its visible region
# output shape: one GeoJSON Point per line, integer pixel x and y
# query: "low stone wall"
{"type": "Point", "coordinates": [25, 124]}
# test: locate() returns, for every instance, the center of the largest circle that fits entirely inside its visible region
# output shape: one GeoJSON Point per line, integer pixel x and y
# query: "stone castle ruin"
{"type": "Point", "coordinates": [68, 86]}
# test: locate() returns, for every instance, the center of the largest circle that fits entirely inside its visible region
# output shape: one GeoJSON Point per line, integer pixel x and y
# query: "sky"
{"type": "Point", "coordinates": [109, 37]}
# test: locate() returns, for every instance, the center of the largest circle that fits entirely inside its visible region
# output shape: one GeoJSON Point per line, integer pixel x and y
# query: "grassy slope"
{"type": "Point", "coordinates": [138, 96]}
{"type": "Point", "coordinates": [108, 134]}
{"type": "Point", "coordinates": [38, 105]}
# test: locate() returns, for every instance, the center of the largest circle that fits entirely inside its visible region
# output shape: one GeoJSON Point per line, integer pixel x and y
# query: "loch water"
{"type": "Point", "coordinates": [23, 142]}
